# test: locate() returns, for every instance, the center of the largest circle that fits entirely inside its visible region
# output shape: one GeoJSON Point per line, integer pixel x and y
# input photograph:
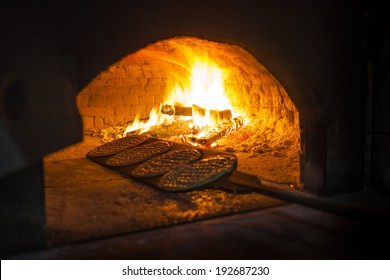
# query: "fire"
{"type": "Point", "coordinates": [155, 119]}
{"type": "Point", "coordinates": [199, 84]}
{"type": "Point", "coordinates": [206, 89]}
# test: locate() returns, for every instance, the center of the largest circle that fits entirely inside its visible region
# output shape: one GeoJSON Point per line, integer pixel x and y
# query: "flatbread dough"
{"type": "Point", "coordinates": [139, 154]}
{"type": "Point", "coordinates": [118, 145]}
{"type": "Point", "coordinates": [163, 163]}
{"type": "Point", "coordinates": [195, 174]}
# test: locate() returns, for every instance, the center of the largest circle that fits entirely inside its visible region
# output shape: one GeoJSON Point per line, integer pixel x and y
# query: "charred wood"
{"type": "Point", "coordinates": [164, 131]}
{"type": "Point", "coordinates": [218, 116]}
{"type": "Point", "coordinates": [176, 110]}
{"type": "Point", "coordinates": [216, 133]}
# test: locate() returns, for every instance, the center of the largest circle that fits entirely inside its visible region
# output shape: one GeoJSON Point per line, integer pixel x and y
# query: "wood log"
{"type": "Point", "coordinates": [190, 139]}
{"type": "Point", "coordinates": [164, 131]}
{"type": "Point", "coordinates": [216, 133]}
{"type": "Point", "coordinates": [240, 121]}
{"type": "Point", "coordinates": [218, 116]}
{"type": "Point", "coordinates": [176, 110]}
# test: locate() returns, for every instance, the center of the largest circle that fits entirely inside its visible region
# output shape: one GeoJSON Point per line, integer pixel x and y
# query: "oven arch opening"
{"type": "Point", "coordinates": [142, 81]}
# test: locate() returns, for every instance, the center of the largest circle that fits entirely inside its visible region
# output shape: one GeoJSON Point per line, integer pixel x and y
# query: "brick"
{"type": "Point", "coordinates": [120, 90]}
{"type": "Point", "coordinates": [154, 89]}
{"type": "Point", "coordinates": [102, 112]}
{"type": "Point", "coordinates": [256, 79]}
{"type": "Point", "coordinates": [148, 74]}
{"type": "Point", "coordinates": [119, 120]}
{"type": "Point", "coordinates": [290, 116]}
{"type": "Point", "coordinates": [289, 104]}
{"type": "Point", "coordinates": [134, 110]}
{"type": "Point", "coordinates": [275, 90]}
{"type": "Point", "coordinates": [245, 89]}
{"type": "Point", "coordinates": [235, 93]}
{"type": "Point", "coordinates": [159, 73]}
{"type": "Point", "coordinates": [243, 77]}
{"type": "Point", "coordinates": [277, 112]}
{"type": "Point", "coordinates": [142, 111]}
{"type": "Point", "coordinates": [160, 98]}
{"type": "Point", "coordinates": [82, 100]}
{"type": "Point", "coordinates": [255, 100]}
{"type": "Point", "coordinates": [267, 78]}
{"type": "Point", "coordinates": [97, 101]}
{"type": "Point", "coordinates": [255, 90]}
{"type": "Point", "coordinates": [102, 81]}
{"type": "Point", "coordinates": [146, 99]}
{"type": "Point", "coordinates": [266, 101]}
{"type": "Point", "coordinates": [135, 71]}
{"type": "Point", "coordinates": [122, 111]}
{"type": "Point", "coordinates": [98, 90]}
{"type": "Point", "coordinates": [88, 123]}
{"type": "Point", "coordinates": [131, 81]}
{"type": "Point", "coordinates": [137, 89]}
{"type": "Point", "coordinates": [138, 58]}
{"type": "Point", "coordinates": [149, 108]}
{"type": "Point", "coordinates": [130, 99]}
{"type": "Point", "coordinates": [247, 99]}
{"type": "Point", "coordinates": [231, 79]}
{"type": "Point", "coordinates": [109, 120]}
{"type": "Point", "coordinates": [99, 123]}
{"type": "Point", "coordinates": [114, 100]}
{"type": "Point", "coordinates": [88, 111]}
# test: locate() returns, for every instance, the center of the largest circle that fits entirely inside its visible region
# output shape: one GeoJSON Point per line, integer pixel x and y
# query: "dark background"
{"type": "Point", "coordinates": [331, 56]}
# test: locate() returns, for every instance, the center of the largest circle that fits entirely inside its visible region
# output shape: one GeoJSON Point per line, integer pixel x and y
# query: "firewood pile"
{"type": "Point", "coordinates": [223, 120]}
{"type": "Point", "coordinates": [181, 127]}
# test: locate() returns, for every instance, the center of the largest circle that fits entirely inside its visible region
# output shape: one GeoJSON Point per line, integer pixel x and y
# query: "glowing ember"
{"type": "Point", "coordinates": [201, 85]}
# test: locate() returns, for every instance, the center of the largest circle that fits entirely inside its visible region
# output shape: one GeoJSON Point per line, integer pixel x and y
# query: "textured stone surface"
{"type": "Point", "coordinates": [143, 79]}
{"type": "Point", "coordinates": [87, 201]}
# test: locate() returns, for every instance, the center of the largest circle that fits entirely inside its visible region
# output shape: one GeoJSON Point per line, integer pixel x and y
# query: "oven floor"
{"type": "Point", "coordinates": [86, 201]}
{"type": "Point", "coordinates": [271, 166]}
{"type": "Point", "coordinates": [284, 232]}
{"type": "Point", "coordinates": [96, 213]}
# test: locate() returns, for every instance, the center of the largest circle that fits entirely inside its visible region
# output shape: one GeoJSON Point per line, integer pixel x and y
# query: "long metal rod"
{"type": "Point", "coordinates": [239, 181]}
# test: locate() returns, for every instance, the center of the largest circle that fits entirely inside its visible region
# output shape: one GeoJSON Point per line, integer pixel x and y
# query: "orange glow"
{"type": "Point", "coordinates": [155, 119]}
{"type": "Point", "coordinates": [199, 81]}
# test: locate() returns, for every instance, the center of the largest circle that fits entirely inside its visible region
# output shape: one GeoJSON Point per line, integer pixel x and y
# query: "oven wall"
{"type": "Point", "coordinates": [37, 86]}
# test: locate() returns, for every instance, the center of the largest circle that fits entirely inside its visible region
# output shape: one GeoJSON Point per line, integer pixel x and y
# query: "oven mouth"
{"type": "Point", "coordinates": [135, 89]}
{"type": "Point", "coordinates": [267, 145]}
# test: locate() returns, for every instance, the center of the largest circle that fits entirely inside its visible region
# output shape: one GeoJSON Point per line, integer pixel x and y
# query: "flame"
{"type": "Point", "coordinates": [206, 89]}
{"type": "Point", "coordinates": [201, 82]}
{"type": "Point", "coordinates": [155, 119]}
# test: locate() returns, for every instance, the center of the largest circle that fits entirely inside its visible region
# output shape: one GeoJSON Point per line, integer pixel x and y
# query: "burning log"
{"type": "Point", "coordinates": [216, 115]}
{"type": "Point", "coordinates": [164, 131]}
{"type": "Point", "coordinates": [189, 139]}
{"type": "Point", "coordinates": [217, 133]}
{"type": "Point", "coordinates": [176, 110]}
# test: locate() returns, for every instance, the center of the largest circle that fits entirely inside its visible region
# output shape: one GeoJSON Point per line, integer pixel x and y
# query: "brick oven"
{"type": "Point", "coordinates": [308, 78]}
